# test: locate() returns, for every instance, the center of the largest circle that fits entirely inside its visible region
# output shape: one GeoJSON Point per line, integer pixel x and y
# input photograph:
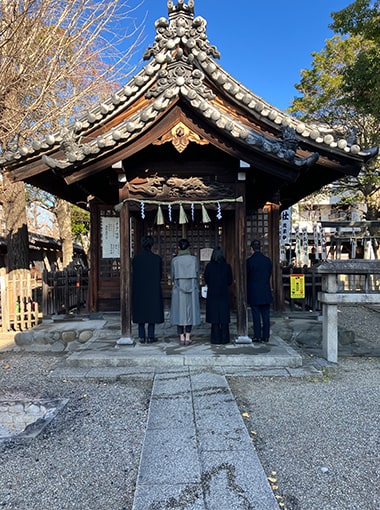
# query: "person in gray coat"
{"type": "Point", "coordinates": [185, 310]}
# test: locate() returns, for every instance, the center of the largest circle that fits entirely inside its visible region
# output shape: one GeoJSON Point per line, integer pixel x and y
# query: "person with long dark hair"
{"type": "Point", "coordinates": [185, 309]}
{"type": "Point", "coordinates": [218, 278]}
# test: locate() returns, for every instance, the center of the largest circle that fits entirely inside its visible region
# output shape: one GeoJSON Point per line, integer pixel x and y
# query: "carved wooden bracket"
{"type": "Point", "coordinates": [180, 136]}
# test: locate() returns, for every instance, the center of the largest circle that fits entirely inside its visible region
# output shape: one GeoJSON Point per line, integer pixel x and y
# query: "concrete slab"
{"type": "Point", "coordinates": [234, 480]}
{"type": "Point", "coordinates": [166, 497]}
{"type": "Point", "coordinates": [205, 461]}
{"type": "Point", "coordinates": [170, 456]}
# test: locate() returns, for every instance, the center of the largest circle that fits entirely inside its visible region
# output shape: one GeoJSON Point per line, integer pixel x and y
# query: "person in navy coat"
{"type": "Point", "coordinates": [147, 302]}
{"type": "Point", "coordinates": [218, 278]}
{"type": "Point", "coordinates": [259, 292]}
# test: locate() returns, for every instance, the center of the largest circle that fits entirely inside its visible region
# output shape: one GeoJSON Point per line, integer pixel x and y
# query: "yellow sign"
{"type": "Point", "coordinates": [297, 286]}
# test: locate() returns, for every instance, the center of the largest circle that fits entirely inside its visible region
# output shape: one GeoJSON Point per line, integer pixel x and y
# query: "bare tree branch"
{"type": "Point", "coordinates": [57, 58]}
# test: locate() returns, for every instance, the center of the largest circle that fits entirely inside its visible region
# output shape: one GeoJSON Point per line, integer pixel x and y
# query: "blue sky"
{"type": "Point", "coordinates": [263, 44]}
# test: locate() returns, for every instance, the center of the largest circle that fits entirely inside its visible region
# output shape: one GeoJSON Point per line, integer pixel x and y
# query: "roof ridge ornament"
{"type": "Point", "coordinates": [181, 6]}
{"type": "Point", "coordinates": [181, 37]}
{"type": "Point", "coordinates": [180, 44]}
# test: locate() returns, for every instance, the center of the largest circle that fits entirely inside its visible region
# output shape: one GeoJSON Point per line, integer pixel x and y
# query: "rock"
{"type": "Point", "coordinates": [85, 335]}
{"type": "Point", "coordinates": [58, 347]}
{"type": "Point", "coordinates": [41, 337]}
{"type": "Point", "coordinates": [73, 346]}
{"type": "Point", "coordinates": [24, 339]}
{"type": "Point", "coordinates": [68, 336]}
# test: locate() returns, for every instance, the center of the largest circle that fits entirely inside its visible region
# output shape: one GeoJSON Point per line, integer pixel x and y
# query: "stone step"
{"type": "Point", "coordinates": [276, 353]}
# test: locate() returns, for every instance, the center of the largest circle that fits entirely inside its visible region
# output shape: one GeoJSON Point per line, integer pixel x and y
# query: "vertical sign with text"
{"type": "Point", "coordinates": [110, 238]}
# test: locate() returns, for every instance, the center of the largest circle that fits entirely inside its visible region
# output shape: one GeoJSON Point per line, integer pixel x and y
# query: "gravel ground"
{"type": "Point", "coordinates": [364, 324]}
{"type": "Point", "coordinates": [320, 437]}
{"type": "Point", "coordinates": [87, 457]}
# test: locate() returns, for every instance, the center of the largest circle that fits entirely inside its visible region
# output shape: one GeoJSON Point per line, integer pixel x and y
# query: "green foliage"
{"type": "Point", "coordinates": [80, 223]}
{"type": "Point", "coordinates": [362, 77]}
{"type": "Point", "coordinates": [324, 98]}
{"type": "Point", "coordinates": [362, 17]}
{"type": "Point", "coordinates": [342, 91]}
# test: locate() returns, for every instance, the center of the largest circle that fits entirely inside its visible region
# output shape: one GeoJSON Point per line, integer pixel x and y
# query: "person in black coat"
{"type": "Point", "coordinates": [218, 278]}
{"type": "Point", "coordinates": [147, 302]}
{"type": "Point", "coordinates": [259, 293]}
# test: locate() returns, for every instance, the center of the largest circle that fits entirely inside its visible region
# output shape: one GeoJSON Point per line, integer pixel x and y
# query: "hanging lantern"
{"type": "Point", "coordinates": [182, 215]}
{"type": "Point", "coordinates": [159, 216]}
{"type": "Point", "coordinates": [205, 217]}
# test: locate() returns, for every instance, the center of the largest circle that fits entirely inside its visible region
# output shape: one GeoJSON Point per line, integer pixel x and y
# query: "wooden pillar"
{"type": "Point", "coordinates": [95, 238]}
{"type": "Point", "coordinates": [241, 274]}
{"type": "Point", "coordinates": [125, 277]}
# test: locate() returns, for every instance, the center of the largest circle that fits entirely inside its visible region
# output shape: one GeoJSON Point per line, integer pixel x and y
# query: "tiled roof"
{"type": "Point", "coordinates": [182, 65]}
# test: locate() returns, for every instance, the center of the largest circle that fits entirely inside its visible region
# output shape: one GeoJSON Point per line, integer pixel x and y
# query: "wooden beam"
{"type": "Point", "coordinates": [349, 224]}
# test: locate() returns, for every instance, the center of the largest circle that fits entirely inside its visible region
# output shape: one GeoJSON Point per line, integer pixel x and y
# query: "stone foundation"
{"type": "Point", "coordinates": [53, 337]}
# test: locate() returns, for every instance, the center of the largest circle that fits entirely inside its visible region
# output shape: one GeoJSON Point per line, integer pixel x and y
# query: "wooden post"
{"type": "Point", "coordinates": [125, 278]}
{"type": "Point", "coordinates": [66, 291]}
{"type": "Point", "coordinates": [45, 294]}
{"type": "Point", "coordinates": [241, 274]}
{"type": "Point", "coordinates": [95, 240]}
{"type": "Point", "coordinates": [4, 291]}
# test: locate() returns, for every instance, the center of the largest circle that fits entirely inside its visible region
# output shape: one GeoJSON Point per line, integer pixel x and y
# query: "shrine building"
{"type": "Point", "coordinates": [182, 150]}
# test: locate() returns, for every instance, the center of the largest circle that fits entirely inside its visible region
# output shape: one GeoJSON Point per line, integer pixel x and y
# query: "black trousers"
{"type": "Point", "coordinates": [142, 333]}
{"type": "Point", "coordinates": [261, 321]}
{"type": "Point", "coordinates": [220, 333]}
{"type": "Point", "coordinates": [183, 329]}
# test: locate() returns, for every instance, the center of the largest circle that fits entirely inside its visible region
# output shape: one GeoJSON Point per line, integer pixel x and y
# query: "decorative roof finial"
{"type": "Point", "coordinates": [181, 6]}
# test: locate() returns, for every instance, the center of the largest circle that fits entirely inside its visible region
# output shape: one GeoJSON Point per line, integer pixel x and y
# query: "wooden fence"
{"type": "Point", "coordinates": [313, 285]}
{"type": "Point", "coordinates": [64, 291]}
{"type": "Point", "coordinates": [19, 308]}
{"type": "Point", "coordinates": [25, 298]}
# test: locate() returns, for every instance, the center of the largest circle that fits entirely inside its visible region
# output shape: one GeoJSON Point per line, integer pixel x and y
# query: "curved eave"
{"type": "Point", "coordinates": [124, 133]}
{"type": "Point", "coordinates": [264, 112]}
{"type": "Point", "coordinates": [135, 89]}
{"type": "Point", "coordinates": [99, 115]}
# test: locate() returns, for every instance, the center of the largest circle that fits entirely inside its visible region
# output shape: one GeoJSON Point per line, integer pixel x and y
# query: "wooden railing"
{"type": "Point", "coordinates": [345, 282]}
{"type": "Point", "coordinates": [64, 291]}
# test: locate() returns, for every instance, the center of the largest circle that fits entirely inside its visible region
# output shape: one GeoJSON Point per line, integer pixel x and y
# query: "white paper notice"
{"type": "Point", "coordinates": [110, 238]}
